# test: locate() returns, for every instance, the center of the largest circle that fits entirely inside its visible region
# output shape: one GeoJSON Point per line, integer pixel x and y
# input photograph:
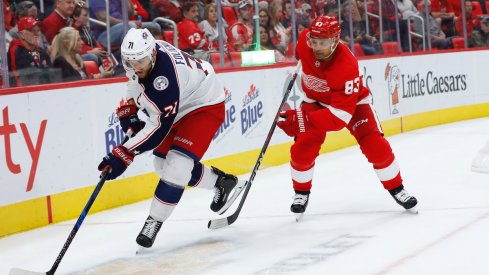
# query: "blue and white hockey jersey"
{"type": "Point", "coordinates": [177, 85]}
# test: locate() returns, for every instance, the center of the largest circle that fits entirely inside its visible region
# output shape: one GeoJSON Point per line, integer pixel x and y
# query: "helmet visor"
{"type": "Point", "coordinates": [137, 65]}
{"type": "Point", "coordinates": [319, 44]}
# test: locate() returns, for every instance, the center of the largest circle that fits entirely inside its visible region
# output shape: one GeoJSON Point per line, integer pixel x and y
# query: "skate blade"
{"type": "Point", "coordinates": [140, 249]}
{"type": "Point", "coordinates": [413, 210]}
{"type": "Point", "coordinates": [477, 169]}
{"type": "Point", "coordinates": [234, 195]}
{"type": "Point", "coordinates": [298, 217]}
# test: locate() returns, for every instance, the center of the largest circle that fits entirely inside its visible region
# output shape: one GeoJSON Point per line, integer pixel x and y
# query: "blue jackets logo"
{"type": "Point", "coordinates": [252, 110]}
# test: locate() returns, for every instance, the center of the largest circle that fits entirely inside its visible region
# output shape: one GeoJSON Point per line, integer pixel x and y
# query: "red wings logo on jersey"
{"type": "Point", "coordinates": [316, 84]}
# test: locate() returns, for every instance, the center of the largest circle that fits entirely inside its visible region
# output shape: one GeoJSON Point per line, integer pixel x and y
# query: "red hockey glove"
{"type": "Point", "coordinates": [117, 161]}
{"type": "Point", "coordinates": [129, 120]}
{"type": "Point", "coordinates": [295, 122]}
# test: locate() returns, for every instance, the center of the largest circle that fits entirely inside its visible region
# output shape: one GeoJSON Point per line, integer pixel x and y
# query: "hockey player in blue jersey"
{"type": "Point", "coordinates": [185, 104]}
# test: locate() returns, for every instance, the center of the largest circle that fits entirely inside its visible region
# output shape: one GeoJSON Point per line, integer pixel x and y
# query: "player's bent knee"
{"type": "Point", "coordinates": [377, 149]}
{"type": "Point", "coordinates": [177, 168]}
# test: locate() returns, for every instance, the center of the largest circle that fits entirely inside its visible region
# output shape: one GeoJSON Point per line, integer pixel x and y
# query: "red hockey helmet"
{"type": "Point", "coordinates": [325, 27]}
{"type": "Point", "coordinates": [324, 36]}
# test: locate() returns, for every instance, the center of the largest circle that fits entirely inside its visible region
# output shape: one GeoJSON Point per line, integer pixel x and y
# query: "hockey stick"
{"type": "Point", "coordinates": [18, 271]}
{"type": "Point", "coordinates": [223, 222]}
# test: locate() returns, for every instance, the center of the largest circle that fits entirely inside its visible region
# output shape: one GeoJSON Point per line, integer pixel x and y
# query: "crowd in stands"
{"type": "Point", "coordinates": [69, 39]}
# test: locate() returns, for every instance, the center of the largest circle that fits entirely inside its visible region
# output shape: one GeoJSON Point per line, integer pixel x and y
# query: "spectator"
{"type": "Point", "coordinates": [191, 38]}
{"type": "Point", "coordinates": [263, 17]}
{"type": "Point", "coordinates": [169, 9]}
{"type": "Point", "coordinates": [480, 35]}
{"type": "Point", "coordinates": [240, 33]}
{"type": "Point", "coordinates": [470, 20]}
{"type": "Point", "coordinates": [279, 34]}
{"type": "Point", "coordinates": [8, 15]}
{"type": "Point", "coordinates": [302, 25]}
{"type": "Point", "coordinates": [406, 8]}
{"type": "Point", "coordinates": [307, 12]}
{"type": "Point", "coordinates": [286, 18]}
{"type": "Point", "coordinates": [139, 12]}
{"type": "Point", "coordinates": [150, 8]}
{"type": "Point", "coordinates": [91, 49]}
{"type": "Point", "coordinates": [23, 9]}
{"type": "Point", "coordinates": [58, 19]}
{"type": "Point", "coordinates": [65, 54]}
{"type": "Point", "coordinates": [209, 26]}
{"type": "Point", "coordinates": [26, 61]}
{"type": "Point", "coordinates": [27, 9]}
{"type": "Point", "coordinates": [266, 44]}
{"type": "Point", "coordinates": [369, 44]}
{"type": "Point", "coordinates": [97, 10]}
{"type": "Point", "coordinates": [435, 34]}
{"type": "Point", "coordinates": [443, 10]}
{"type": "Point", "coordinates": [389, 24]}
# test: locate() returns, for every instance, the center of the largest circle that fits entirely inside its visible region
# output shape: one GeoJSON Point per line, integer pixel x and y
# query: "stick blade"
{"type": "Point", "coordinates": [218, 223]}
{"type": "Point", "coordinates": [18, 271]}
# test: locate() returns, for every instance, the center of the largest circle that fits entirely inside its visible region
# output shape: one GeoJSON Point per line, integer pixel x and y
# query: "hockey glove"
{"type": "Point", "coordinates": [294, 122]}
{"type": "Point", "coordinates": [117, 162]}
{"type": "Point", "coordinates": [128, 117]}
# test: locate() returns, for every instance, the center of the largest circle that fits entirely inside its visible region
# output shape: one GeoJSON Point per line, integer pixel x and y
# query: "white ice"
{"type": "Point", "coordinates": [352, 225]}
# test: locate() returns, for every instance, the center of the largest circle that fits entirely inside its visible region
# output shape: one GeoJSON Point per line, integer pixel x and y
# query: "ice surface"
{"type": "Point", "coordinates": [352, 225]}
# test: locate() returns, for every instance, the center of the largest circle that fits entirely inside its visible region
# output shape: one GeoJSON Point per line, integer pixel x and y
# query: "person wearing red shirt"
{"type": "Point", "coordinates": [191, 38]}
{"type": "Point", "coordinates": [139, 11]}
{"type": "Point", "coordinates": [335, 98]}
{"type": "Point", "coordinates": [58, 19]}
{"type": "Point", "coordinates": [470, 20]}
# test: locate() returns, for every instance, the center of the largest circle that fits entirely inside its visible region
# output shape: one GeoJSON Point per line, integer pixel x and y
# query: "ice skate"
{"type": "Point", "coordinates": [299, 204]}
{"type": "Point", "coordinates": [147, 236]}
{"type": "Point", "coordinates": [404, 199]}
{"type": "Point", "coordinates": [227, 189]}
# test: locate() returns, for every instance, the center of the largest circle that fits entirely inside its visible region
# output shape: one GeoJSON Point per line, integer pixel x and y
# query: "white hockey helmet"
{"type": "Point", "coordinates": [138, 46]}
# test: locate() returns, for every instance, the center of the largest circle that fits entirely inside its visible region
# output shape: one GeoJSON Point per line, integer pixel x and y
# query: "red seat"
{"type": "Point", "coordinates": [358, 50]}
{"type": "Point", "coordinates": [390, 48]}
{"type": "Point", "coordinates": [91, 68]}
{"type": "Point", "coordinates": [168, 36]}
{"type": "Point", "coordinates": [216, 60]}
{"type": "Point", "coordinates": [231, 59]}
{"type": "Point", "coordinates": [458, 42]}
{"type": "Point", "coordinates": [487, 6]}
{"type": "Point", "coordinates": [236, 59]}
{"type": "Point", "coordinates": [476, 8]}
{"type": "Point", "coordinates": [229, 14]}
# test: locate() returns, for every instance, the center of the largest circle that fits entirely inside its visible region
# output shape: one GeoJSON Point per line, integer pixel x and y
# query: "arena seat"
{"type": "Point", "coordinates": [458, 42]}
{"type": "Point", "coordinates": [91, 68]}
{"type": "Point", "coordinates": [390, 48]}
{"type": "Point", "coordinates": [216, 58]}
{"type": "Point", "coordinates": [168, 36]}
{"type": "Point", "coordinates": [358, 50]}
{"type": "Point", "coordinates": [236, 59]}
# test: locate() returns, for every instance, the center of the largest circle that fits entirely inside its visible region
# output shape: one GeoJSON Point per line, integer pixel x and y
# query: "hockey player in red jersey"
{"type": "Point", "coordinates": [184, 102]}
{"type": "Point", "coordinates": [335, 98]}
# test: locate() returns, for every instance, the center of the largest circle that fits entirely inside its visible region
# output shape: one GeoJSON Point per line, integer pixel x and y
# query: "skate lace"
{"type": "Point", "coordinates": [300, 199]}
{"type": "Point", "coordinates": [150, 228]}
{"type": "Point", "coordinates": [217, 194]}
{"type": "Point", "coordinates": [403, 196]}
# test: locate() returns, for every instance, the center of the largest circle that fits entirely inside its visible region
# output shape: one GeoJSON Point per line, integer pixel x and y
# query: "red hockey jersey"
{"type": "Point", "coordinates": [335, 84]}
{"type": "Point", "coordinates": [190, 36]}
